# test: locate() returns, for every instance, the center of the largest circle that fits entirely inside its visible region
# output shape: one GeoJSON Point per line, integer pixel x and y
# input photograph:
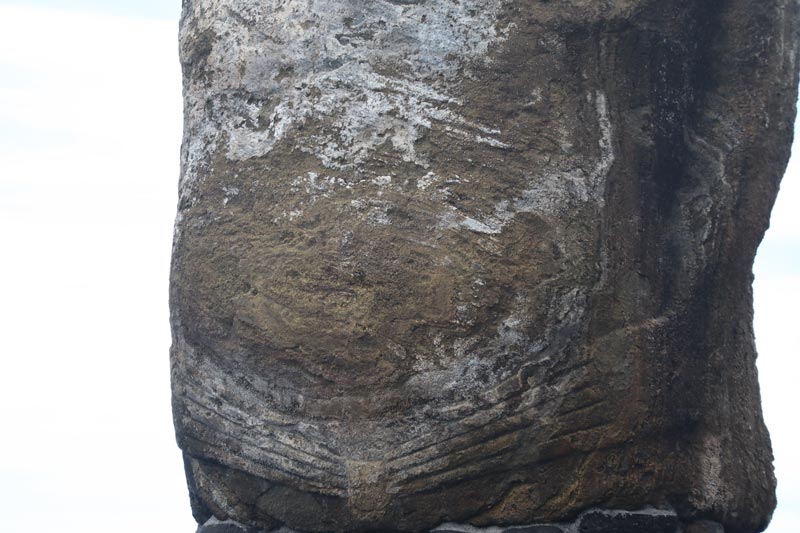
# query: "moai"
{"type": "Point", "coordinates": [451, 263]}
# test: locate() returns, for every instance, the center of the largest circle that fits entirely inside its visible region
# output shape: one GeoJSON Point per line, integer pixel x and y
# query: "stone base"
{"type": "Point", "coordinates": [592, 521]}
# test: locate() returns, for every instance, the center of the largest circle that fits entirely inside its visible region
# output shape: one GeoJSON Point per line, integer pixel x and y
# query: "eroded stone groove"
{"type": "Point", "coordinates": [476, 261]}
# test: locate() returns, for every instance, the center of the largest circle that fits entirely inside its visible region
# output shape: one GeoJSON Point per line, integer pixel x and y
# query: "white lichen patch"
{"type": "Point", "coordinates": [713, 485]}
{"type": "Point", "coordinates": [382, 181]}
{"type": "Point", "coordinates": [552, 191]}
{"type": "Point", "coordinates": [356, 75]}
{"type": "Point", "coordinates": [230, 192]}
{"type": "Point", "coordinates": [464, 366]}
{"type": "Point", "coordinates": [378, 216]}
{"type": "Point", "coordinates": [427, 180]}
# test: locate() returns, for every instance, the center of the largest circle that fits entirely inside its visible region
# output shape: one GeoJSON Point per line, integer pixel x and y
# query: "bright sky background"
{"type": "Point", "coordinates": [90, 125]}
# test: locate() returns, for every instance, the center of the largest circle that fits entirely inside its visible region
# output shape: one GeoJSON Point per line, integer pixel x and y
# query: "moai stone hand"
{"type": "Point", "coordinates": [475, 261]}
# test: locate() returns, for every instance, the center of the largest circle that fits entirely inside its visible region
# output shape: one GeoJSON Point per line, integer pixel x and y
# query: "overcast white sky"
{"type": "Point", "coordinates": [90, 125]}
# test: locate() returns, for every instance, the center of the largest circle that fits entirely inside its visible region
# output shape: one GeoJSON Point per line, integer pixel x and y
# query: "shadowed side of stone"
{"type": "Point", "coordinates": [622, 522]}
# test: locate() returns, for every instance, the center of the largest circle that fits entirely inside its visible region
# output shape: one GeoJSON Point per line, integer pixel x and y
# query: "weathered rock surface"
{"type": "Point", "coordinates": [475, 261]}
{"type": "Point", "coordinates": [592, 521]}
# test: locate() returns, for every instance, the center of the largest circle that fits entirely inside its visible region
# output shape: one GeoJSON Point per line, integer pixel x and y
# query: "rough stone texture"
{"type": "Point", "coordinates": [593, 521]}
{"type": "Point", "coordinates": [598, 522]}
{"type": "Point", "coordinates": [705, 526]}
{"type": "Point", "coordinates": [475, 261]}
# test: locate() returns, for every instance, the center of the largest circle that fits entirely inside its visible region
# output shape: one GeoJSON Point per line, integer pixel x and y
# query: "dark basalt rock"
{"type": "Point", "coordinates": [535, 529]}
{"type": "Point", "coordinates": [482, 262]}
{"type": "Point", "coordinates": [595, 521]}
{"type": "Point", "coordinates": [705, 526]}
{"type": "Point", "coordinates": [599, 522]}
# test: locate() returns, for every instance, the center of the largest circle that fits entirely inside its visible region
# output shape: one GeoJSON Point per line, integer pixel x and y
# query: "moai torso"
{"type": "Point", "coordinates": [479, 261]}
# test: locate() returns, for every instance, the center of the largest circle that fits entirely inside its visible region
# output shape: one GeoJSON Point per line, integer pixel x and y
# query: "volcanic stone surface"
{"type": "Point", "coordinates": [475, 261]}
{"type": "Point", "coordinates": [592, 521]}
